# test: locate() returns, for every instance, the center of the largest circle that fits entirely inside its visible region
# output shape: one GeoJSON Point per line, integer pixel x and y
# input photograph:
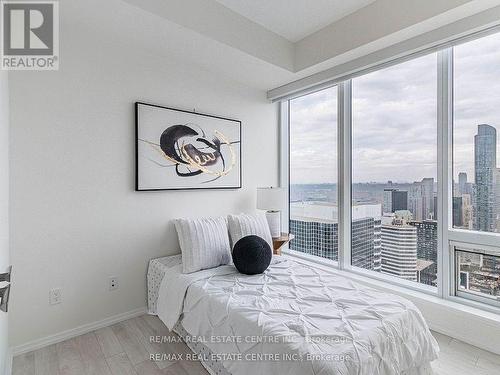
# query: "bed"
{"type": "Point", "coordinates": [293, 319]}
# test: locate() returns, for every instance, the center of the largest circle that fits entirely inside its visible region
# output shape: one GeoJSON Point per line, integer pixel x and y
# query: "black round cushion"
{"type": "Point", "coordinates": [252, 255]}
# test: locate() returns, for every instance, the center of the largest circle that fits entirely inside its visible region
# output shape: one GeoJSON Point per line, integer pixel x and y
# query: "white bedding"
{"type": "Point", "coordinates": [297, 319]}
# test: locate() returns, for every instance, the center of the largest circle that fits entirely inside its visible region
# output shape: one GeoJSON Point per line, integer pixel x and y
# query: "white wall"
{"type": "Point", "coordinates": [4, 205]}
{"type": "Point", "coordinates": [75, 219]}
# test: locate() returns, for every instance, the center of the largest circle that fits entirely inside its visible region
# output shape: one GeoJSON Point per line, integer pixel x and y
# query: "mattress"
{"type": "Point", "coordinates": [156, 271]}
{"type": "Point", "coordinates": [296, 319]}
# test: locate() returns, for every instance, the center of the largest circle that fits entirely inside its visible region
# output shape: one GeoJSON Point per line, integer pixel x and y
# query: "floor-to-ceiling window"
{"type": "Point", "coordinates": [476, 163]}
{"type": "Point", "coordinates": [421, 206]}
{"type": "Point", "coordinates": [394, 170]}
{"type": "Point", "coordinates": [313, 173]}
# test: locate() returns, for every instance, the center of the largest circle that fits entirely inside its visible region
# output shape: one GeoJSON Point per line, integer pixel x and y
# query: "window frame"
{"type": "Point", "coordinates": [447, 235]}
{"type": "Point", "coordinates": [470, 298]}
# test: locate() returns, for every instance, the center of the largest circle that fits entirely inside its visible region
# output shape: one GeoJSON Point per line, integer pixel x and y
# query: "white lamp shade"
{"type": "Point", "coordinates": [270, 199]}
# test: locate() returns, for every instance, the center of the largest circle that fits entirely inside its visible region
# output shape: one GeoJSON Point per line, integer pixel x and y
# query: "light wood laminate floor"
{"type": "Point", "coordinates": [124, 348]}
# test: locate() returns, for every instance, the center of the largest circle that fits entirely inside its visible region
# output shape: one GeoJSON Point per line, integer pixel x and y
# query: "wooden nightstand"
{"type": "Point", "coordinates": [281, 241]}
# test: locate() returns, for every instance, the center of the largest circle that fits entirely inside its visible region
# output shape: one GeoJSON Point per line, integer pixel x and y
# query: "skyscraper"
{"type": "Point", "coordinates": [315, 236]}
{"type": "Point", "coordinates": [485, 157]}
{"type": "Point", "coordinates": [387, 203]}
{"type": "Point", "coordinates": [377, 245]}
{"type": "Point", "coordinates": [457, 212]}
{"type": "Point", "coordinates": [365, 236]}
{"type": "Point", "coordinates": [435, 200]}
{"type": "Point", "coordinates": [399, 248]}
{"type": "Point", "coordinates": [315, 226]}
{"type": "Point", "coordinates": [467, 211]}
{"type": "Point", "coordinates": [421, 199]}
{"type": "Point", "coordinates": [428, 186]}
{"type": "Point", "coordinates": [462, 183]}
{"type": "Point", "coordinates": [427, 249]}
{"type": "Point", "coordinates": [395, 200]}
{"type": "Point", "coordinates": [363, 231]}
{"type": "Point", "coordinates": [497, 199]}
{"type": "Point", "coordinates": [416, 202]}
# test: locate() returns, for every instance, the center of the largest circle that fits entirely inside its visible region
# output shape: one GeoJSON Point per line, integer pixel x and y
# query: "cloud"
{"type": "Point", "coordinates": [313, 137]}
{"type": "Point", "coordinates": [395, 119]}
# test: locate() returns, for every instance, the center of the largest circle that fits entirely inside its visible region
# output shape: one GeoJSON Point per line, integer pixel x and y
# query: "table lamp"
{"type": "Point", "coordinates": [272, 200]}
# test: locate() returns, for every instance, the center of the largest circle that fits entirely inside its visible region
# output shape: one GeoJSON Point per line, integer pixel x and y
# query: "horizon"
{"type": "Point", "coordinates": [394, 119]}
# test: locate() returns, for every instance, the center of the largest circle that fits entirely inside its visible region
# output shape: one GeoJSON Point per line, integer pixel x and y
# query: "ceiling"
{"type": "Point", "coordinates": [217, 39]}
{"type": "Point", "coordinates": [295, 19]}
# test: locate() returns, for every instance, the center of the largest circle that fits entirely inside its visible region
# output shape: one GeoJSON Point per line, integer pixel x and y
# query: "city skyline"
{"type": "Point", "coordinates": [457, 173]}
{"type": "Point", "coordinates": [394, 228]}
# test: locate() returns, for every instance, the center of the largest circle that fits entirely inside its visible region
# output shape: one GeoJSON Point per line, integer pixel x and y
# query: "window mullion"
{"type": "Point", "coordinates": [284, 160]}
{"type": "Point", "coordinates": [344, 173]}
{"type": "Point", "coordinates": [445, 173]}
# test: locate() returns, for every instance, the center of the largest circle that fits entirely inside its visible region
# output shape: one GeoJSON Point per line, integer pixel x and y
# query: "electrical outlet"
{"type": "Point", "coordinates": [113, 283]}
{"type": "Point", "coordinates": [55, 296]}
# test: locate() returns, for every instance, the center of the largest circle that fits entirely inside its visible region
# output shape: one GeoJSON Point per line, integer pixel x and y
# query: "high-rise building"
{"type": "Point", "coordinates": [489, 276]}
{"type": "Point", "coordinates": [427, 250]}
{"type": "Point", "coordinates": [416, 202]}
{"type": "Point", "coordinates": [428, 185]}
{"type": "Point", "coordinates": [367, 252]}
{"type": "Point", "coordinates": [462, 183]}
{"type": "Point", "coordinates": [457, 212]}
{"type": "Point", "coordinates": [467, 211]}
{"type": "Point", "coordinates": [497, 200]}
{"type": "Point", "coordinates": [395, 200]}
{"type": "Point", "coordinates": [377, 245]}
{"type": "Point", "coordinates": [362, 243]}
{"type": "Point", "coordinates": [421, 199]}
{"type": "Point", "coordinates": [315, 226]}
{"type": "Point", "coordinates": [399, 200]}
{"type": "Point", "coordinates": [435, 200]}
{"type": "Point", "coordinates": [387, 203]}
{"type": "Point", "coordinates": [485, 157]}
{"type": "Point", "coordinates": [479, 273]}
{"type": "Point", "coordinates": [315, 236]}
{"type": "Point", "coordinates": [399, 248]}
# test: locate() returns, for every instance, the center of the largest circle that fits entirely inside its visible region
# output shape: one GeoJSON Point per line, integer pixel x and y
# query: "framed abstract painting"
{"type": "Point", "coordinates": [178, 150]}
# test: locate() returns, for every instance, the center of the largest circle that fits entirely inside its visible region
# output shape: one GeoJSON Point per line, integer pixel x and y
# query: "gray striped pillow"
{"type": "Point", "coordinates": [204, 243]}
{"type": "Point", "coordinates": [244, 225]}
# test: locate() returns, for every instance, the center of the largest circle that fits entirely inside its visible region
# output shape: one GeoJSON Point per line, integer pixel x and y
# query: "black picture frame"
{"type": "Point", "coordinates": [138, 188]}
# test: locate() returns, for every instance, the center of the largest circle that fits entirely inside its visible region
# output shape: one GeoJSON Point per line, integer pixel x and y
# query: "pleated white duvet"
{"type": "Point", "coordinates": [297, 319]}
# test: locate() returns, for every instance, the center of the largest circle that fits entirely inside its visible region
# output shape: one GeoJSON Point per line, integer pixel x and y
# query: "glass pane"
{"type": "Point", "coordinates": [313, 174]}
{"type": "Point", "coordinates": [478, 273]}
{"type": "Point", "coordinates": [394, 170]}
{"type": "Point", "coordinates": [476, 193]}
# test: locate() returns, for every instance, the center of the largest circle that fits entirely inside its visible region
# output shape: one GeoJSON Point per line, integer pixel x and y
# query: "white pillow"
{"type": "Point", "coordinates": [204, 243]}
{"type": "Point", "coordinates": [244, 225]}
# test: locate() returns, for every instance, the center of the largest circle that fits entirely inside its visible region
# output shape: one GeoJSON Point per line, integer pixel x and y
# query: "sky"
{"type": "Point", "coordinates": [394, 119]}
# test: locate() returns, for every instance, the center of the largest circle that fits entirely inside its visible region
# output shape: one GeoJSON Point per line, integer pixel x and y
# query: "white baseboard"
{"type": "Point", "coordinates": [74, 332]}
